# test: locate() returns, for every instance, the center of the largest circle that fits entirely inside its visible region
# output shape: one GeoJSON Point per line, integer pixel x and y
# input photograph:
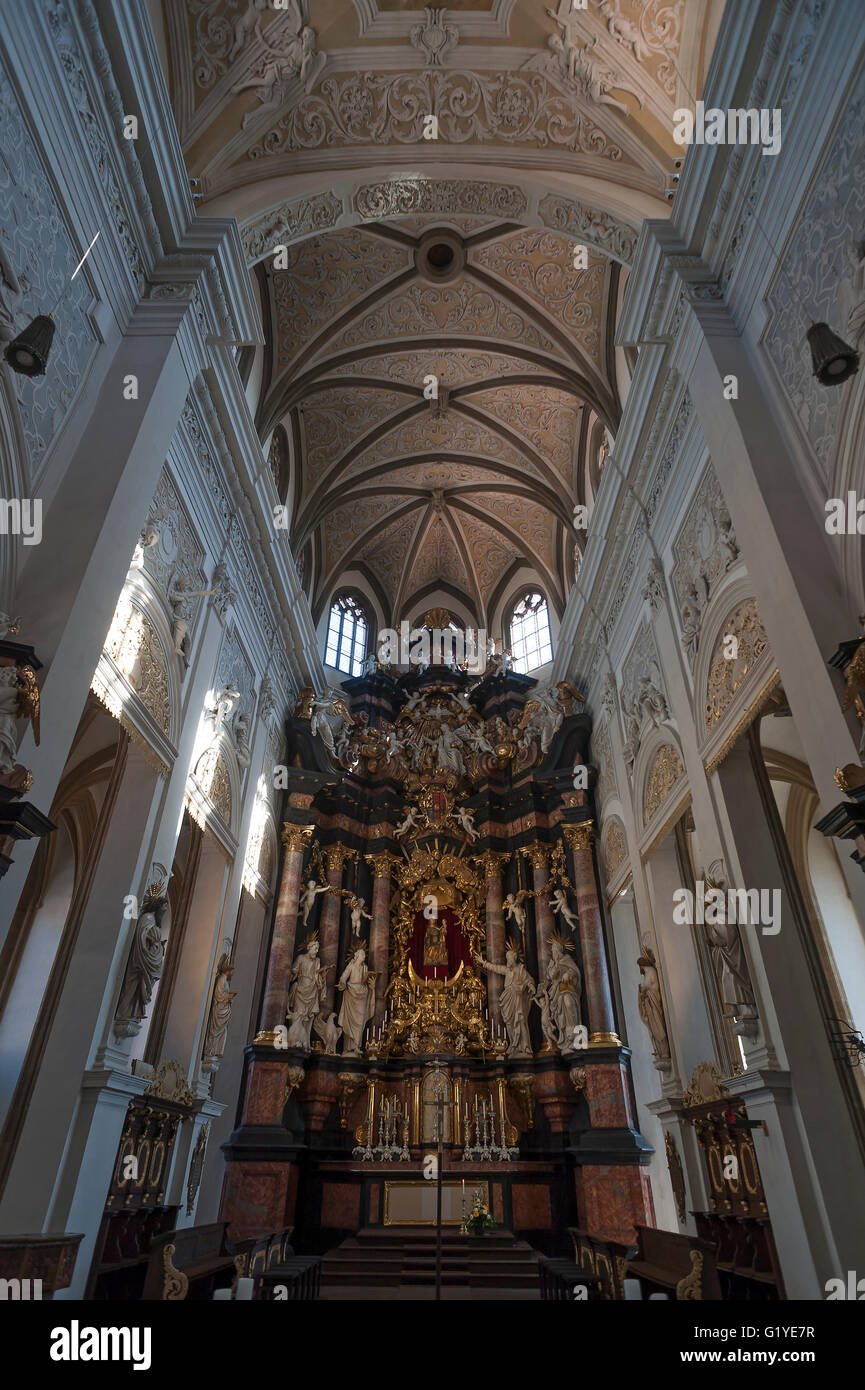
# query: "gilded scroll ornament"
{"type": "Point", "coordinates": [615, 848]}
{"type": "Point", "coordinates": [727, 675]}
{"type": "Point", "coordinates": [666, 770]}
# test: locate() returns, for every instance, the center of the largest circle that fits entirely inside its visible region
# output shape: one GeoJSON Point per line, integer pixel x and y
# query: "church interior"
{"type": "Point", "coordinates": [432, 716]}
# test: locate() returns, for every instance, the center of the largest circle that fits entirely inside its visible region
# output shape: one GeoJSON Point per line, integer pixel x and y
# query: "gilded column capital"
{"type": "Point", "coordinates": [381, 863]}
{"type": "Point", "coordinates": [296, 838]}
{"type": "Point", "coordinates": [336, 854]}
{"type": "Point", "coordinates": [580, 836]}
{"type": "Point", "coordinates": [538, 853]}
{"type": "Point", "coordinates": [492, 862]}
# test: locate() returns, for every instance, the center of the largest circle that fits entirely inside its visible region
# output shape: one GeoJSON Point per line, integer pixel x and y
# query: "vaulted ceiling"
{"type": "Point", "coordinates": [439, 373]}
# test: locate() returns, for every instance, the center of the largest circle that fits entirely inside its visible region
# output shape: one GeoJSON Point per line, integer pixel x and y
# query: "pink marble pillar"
{"type": "Point", "coordinates": [335, 856]}
{"type": "Point", "coordinates": [579, 839]}
{"type": "Point", "coordinates": [296, 838]}
{"type": "Point", "coordinates": [493, 866]}
{"type": "Point", "coordinates": [379, 930]}
{"type": "Point", "coordinates": [539, 856]}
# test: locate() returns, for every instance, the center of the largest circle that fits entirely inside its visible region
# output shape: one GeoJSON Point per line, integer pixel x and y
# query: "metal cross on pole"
{"type": "Point", "coordinates": [439, 1129]}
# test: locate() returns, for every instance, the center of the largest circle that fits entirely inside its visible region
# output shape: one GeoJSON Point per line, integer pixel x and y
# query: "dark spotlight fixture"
{"type": "Point", "coordinates": [28, 353]}
{"type": "Point", "coordinates": [832, 360]}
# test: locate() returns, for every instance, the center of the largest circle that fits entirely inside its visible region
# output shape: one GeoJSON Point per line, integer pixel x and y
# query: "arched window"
{"type": "Point", "coordinates": [347, 635]}
{"type": "Point", "coordinates": [531, 645]}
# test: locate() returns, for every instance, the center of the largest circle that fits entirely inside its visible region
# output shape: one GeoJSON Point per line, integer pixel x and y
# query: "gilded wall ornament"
{"type": "Point", "coordinates": [615, 848]}
{"type": "Point", "coordinates": [726, 675]}
{"type": "Point", "coordinates": [706, 1084]}
{"type": "Point", "coordinates": [666, 771]}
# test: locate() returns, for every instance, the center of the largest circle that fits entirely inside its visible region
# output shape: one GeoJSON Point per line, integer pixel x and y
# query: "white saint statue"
{"type": "Point", "coordinates": [305, 996]}
{"type": "Point", "coordinates": [357, 986]}
{"type": "Point", "coordinates": [514, 1000]}
{"type": "Point", "coordinates": [560, 993]}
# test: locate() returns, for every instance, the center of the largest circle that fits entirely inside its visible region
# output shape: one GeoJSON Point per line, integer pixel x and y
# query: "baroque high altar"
{"type": "Point", "coordinates": [437, 968]}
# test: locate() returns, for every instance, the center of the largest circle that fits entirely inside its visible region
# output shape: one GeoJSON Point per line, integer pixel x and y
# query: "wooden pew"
{"type": "Point", "coordinates": [560, 1277]}
{"type": "Point", "coordinates": [606, 1258]}
{"type": "Point", "coordinates": [192, 1262]}
{"type": "Point", "coordinates": [680, 1265]}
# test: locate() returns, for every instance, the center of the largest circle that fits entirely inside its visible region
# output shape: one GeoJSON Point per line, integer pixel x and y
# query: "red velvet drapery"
{"type": "Point", "coordinates": [458, 946]}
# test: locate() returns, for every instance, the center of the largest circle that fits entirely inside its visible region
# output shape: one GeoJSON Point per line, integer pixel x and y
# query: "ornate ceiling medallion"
{"type": "Point", "coordinates": [440, 255]}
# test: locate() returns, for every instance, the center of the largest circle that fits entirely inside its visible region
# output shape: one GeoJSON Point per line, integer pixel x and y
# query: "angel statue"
{"type": "Point", "coordinates": [311, 890]}
{"type": "Point", "coordinates": [559, 903]}
{"type": "Point", "coordinates": [358, 911]}
{"type": "Point", "coordinates": [410, 822]}
{"type": "Point", "coordinates": [465, 819]}
{"type": "Point", "coordinates": [323, 710]}
{"type": "Point", "coordinates": [515, 912]}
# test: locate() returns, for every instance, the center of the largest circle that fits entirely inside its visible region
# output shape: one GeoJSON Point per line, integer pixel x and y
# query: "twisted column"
{"type": "Point", "coordinates": [296, 839]}
{"type": "Point", "coordinates": [335, 856]}
{"type": "Point", "coordinates": [493, 864]}
{"type": "Point", "coordinates": [379, 930]}
{"type": "Point", "coordinates": [579, 839]}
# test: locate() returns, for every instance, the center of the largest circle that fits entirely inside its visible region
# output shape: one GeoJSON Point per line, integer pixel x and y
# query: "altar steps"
{"type": "Point", "coordinates": [404, 1258]}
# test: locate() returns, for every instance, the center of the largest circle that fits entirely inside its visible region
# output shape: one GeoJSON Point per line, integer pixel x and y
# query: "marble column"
{"type": "Point", "coordinates": [379, 931]}
{"type": "Point", "coordinates": [539, 857]}
{"type": "Point", "coordinates": [579, 839]}
{"type": "Point", "coordinates": [493, 864]}
{"type": "Point", "coordinates": [335, 856]}
{"type": "Point", "coordinates": [296, 838]}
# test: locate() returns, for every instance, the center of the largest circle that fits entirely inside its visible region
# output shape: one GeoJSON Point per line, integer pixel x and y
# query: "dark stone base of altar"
{"type": "Point", "coordinates": [404, 1257]}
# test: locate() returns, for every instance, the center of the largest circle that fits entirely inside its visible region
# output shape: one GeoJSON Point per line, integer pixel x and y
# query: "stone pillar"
{"type": "Point", "coordinates": [579, 839]}
{"type": "Point", "coordinates": [539, 856]}
{"type": "Point", "coordinates": [89, 532]}
{"type": "Point", "coordinates": [790, 559]}
{"type": "Point", "coordinates": [379, 931]}
{"type": "Point", "coordinates": [296, 838]}
{"type": "Point", "coordinates": [820, 1159]}
{"type": "Point", "coordinates": [335, 856]}
{"type": "Point", "coordinates": [493, 864]}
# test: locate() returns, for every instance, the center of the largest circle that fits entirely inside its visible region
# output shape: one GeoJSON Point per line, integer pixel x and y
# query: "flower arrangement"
{"type": "Point", "coordinates": [480, 1219]}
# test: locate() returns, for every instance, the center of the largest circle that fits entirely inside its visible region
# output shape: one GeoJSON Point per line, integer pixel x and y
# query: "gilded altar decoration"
{"type": "Point", "coordinates": [666, 770]}
{"type": "Point", "coordinates": [438, 744]}
{"type": "Point", "coordinates": [436, 999]}
{"type": "Point", "coordinates": [726, 674]}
